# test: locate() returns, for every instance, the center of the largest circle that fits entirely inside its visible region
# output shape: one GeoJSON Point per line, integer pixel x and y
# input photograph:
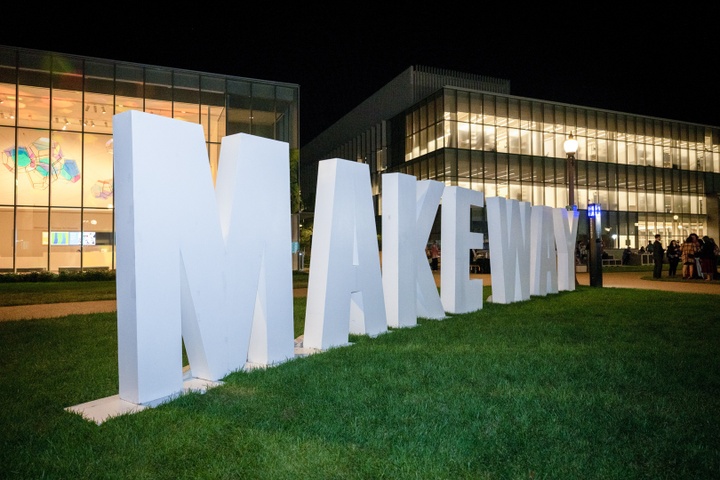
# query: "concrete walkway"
{"type": "Point", "coordinates": [639, 280]}
{"type": "Point", "coordinates": [51, 310]}
{"type": "Point", "coordinates": [643, 280]}
{"type": "Point", "coordinates": [610, 280]}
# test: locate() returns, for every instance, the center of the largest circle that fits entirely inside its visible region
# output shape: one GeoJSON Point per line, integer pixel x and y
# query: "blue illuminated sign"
{"type": "Point", "coordinates": [593, 209]}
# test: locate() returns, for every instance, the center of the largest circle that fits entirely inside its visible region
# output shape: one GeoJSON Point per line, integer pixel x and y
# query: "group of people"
{"type": "Point", "coordinates": [697, 256]}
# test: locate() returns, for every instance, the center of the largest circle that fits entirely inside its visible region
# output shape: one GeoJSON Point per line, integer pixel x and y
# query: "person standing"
{"type": "Point", "coordinates": [627, 253]}
{"type": "Point", "coordinates": [707, 258]}
{"type": "Point", "coordinates": [434, 256]}
{"type": "Point", "coordinates": [687, 255]}
{"type": "Point", "coordinates": [698, 246]}
{"type": "Point", "coordinates": [658, 253]}
{"type": "Point", "coordinates": [673, 256]}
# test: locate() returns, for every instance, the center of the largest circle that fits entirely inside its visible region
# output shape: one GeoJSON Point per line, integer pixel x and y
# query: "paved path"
{"type": "Point", "coordinates": [50, 310]}
{"type": "Point", "coordinates": [643, 280]}
{"type": "Point", "coordinates": [636, 280]}
{"type": "Point", "coordinates": [610, 280]}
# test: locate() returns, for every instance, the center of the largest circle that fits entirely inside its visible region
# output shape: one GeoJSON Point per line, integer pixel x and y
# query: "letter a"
{"type": "Point", "coordinates": [345, 292]}
{"type": "Point", "coordinates": [543, 259]}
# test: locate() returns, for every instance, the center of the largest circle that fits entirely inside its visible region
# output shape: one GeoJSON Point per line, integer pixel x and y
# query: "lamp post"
{"type": "Point", "coordinates": [571, 146]}
{"type": "Point", "coordinates": [595, 260]}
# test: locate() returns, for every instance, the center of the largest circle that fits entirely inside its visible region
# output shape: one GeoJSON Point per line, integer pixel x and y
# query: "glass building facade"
{"type": "Point", "coordinates": [56, 144]}
{"type": "Point", "coordinates": [649, 175]}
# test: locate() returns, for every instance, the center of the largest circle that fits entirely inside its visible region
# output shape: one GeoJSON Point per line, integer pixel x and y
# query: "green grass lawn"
{"type": "Point", "coordinates": [593, 384]}
{"type": "Point", "coordinates": [30, 293]}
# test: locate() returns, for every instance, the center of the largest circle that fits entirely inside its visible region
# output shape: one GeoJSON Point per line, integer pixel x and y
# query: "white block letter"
{"type": "Point", "coordinates": [458, 292]}
{"type": "Point", "coordinates": [408, 213]}
{"type": "Point", "coordinates": [565, 226]}
{"type": "Point", "coordinates": [509, 231]}
{"type": "Point", "coordinates": [543, 259]}
{"type": "Point", "coordinates": [182, 259]}
{"type": "Point", "coordinates": [345, 292]}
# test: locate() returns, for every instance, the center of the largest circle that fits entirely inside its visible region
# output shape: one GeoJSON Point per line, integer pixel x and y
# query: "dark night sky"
{"type": "Point", "coordinates": [629, 59]}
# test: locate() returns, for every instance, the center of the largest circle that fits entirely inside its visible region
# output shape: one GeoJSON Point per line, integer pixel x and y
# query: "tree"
{"type": "Point", "coordinates": [296, 204]}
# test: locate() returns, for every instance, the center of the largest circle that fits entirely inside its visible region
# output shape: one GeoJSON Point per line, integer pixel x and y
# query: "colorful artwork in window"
{"type": "Point", "coordinates": [42, 162]}
{"type": "Point", "coordinates": [102, 189]}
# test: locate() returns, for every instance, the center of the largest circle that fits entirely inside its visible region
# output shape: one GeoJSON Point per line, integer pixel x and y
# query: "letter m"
{"type": "Point", "coordinates": [195, 263]}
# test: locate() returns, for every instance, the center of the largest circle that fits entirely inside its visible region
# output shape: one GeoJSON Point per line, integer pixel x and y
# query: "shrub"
{"type": "Point", "coordinates": [74, 276]}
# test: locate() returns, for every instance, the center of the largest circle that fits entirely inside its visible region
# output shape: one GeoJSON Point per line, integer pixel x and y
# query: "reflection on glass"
{"type": "Point", "coordinates": [64, 239]}
{"type": "Point", "coordinates": [6, 238]}
{"type": "Point", "coordinates": [30, 252]}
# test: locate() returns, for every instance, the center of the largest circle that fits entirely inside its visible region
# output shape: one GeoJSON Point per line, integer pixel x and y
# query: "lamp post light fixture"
{"type": "Point", "coordinates": [595, 248]}
{"type": "Point", "coordinates": [571, 146]}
